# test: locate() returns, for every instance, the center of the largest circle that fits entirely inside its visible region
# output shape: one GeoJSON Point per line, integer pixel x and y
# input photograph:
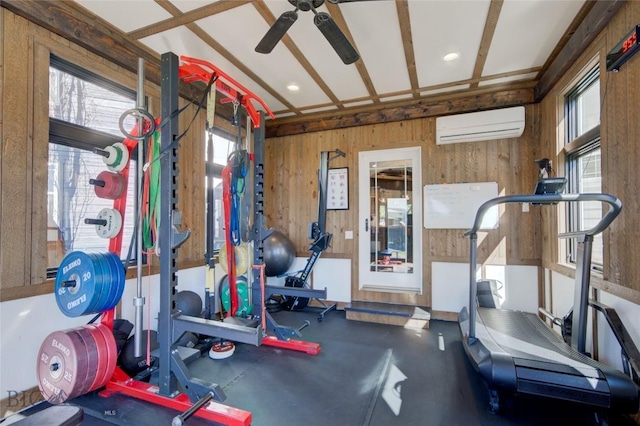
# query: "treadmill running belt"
{"type": "Point", "coordinates": [544, 365]}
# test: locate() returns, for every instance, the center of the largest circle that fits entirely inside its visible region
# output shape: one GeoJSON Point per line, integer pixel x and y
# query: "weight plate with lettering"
{"type": "Point", "coordinates": [75, 286]}
{"type": "Point", "coordinates": [61, 366]}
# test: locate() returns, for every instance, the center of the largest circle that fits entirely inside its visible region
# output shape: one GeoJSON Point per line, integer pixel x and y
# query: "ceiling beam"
{"type": "Point", "coordinates": [404, 21]}
{"type": "Point", "coordinates": [336, 14]}
{"type": "Point", "coordinates": [598, 17]}
{"type": "Point", "coordinates": [185, 18]}
{"type": "Point", "coordinates": [74, 23]}
{"type": "Point", "coordinates": [487, 36]}
{"type": "Point", "coordinates": [266, 14]}
{"type": "Point", "coordinates": [399, 112]}
{"type": "Point", "coordinates": [486, 79]}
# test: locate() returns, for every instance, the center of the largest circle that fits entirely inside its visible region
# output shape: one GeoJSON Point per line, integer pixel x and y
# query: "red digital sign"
{"type": "Point", "coordinates": [630, 42]}
{"type": "Point", "coordinates": [624, 50]}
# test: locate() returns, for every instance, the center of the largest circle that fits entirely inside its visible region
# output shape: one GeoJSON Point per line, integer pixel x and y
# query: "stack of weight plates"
{"type": "Point", "coordinates": [76, 361]}
{"type": "Point", "coordinates": [89, 283]}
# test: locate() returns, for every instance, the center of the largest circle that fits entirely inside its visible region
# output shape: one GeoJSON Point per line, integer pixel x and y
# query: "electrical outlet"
{"type": "Point", "coordinates": [348, 235]}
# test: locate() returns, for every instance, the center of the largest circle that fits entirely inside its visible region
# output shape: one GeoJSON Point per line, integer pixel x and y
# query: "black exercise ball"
{"type": "Point", "coordinates": [189, 303]}
{"type": "Point", "coordinates": [132, 364]}
{"type": "Point", "coordinates": [279, 254]}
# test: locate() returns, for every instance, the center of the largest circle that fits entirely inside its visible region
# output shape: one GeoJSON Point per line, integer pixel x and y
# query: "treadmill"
{"type": "Point", "coordinates": [516, 353]}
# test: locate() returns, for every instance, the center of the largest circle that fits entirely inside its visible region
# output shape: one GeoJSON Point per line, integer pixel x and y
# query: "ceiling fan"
{"type": "Point", "coordinates": [322, 20]}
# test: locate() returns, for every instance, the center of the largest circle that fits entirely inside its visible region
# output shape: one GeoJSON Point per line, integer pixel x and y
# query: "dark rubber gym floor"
{"type": "Point", "coordinates": [365, 374]}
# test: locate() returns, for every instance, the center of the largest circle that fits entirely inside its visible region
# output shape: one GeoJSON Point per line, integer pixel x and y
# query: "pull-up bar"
{"type": "Point", "coordinates": [193, 69]}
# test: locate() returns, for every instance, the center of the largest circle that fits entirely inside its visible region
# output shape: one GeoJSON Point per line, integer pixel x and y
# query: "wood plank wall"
{"type": "Point", "coordinates": [620, 133]}
{"type": "Point", "coordinates": [24, 67]}
{"type": "Point", "coordinates": [292, 163]}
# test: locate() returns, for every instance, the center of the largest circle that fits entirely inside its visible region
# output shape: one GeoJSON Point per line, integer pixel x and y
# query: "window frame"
{"type": "Point", "coordinates": [76, 136]}
{"type": "Point", "coordinates": [576, 147]}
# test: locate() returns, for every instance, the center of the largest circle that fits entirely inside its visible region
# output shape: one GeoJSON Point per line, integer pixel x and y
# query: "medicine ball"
{"type": "Point", "coordinates": [133, 365]}
{"type": "Point", "coordinates": [189, 303]}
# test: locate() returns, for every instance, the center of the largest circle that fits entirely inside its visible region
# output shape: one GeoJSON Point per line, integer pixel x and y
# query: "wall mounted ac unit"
{"type": "Point", "coordinates": [480, 126]}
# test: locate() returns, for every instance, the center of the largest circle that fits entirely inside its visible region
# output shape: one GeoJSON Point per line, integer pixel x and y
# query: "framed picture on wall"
{"type": "Point", "coordinates": [338, 189]}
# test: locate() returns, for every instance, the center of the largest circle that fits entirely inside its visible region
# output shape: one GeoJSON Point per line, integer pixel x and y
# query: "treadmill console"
{"type": "Point", "coordinates": [549, 186]}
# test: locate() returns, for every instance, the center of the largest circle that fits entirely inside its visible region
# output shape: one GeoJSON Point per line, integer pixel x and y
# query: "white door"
{"type": "Point", "coordinates": [390, 209]}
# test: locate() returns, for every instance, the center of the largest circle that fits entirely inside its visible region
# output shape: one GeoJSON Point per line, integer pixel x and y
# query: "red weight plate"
{"type": "Point", "coordinates": [84, 369]}
{"type": "Point", "coordinates": [113, 185]}
{"type": "Point", "coordinates": [61, 367]}
{"type": "Point", "coordinates": [102, 351]}
{"type": "Point", "coordinates": [112, 351]}
{"type": "Point", "coordinates": [92, 352]}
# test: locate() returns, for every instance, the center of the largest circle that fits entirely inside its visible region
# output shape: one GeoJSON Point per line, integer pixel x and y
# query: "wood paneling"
{"type": "Point", "coordinates": [24, 128]}
{"type": "Point", "coordinates": [292, 162]}
{"type": "Point", "coordinates": [16, 134]}
{"type": "Point", "coordinates": [476, 100]}
{"type": "Point", "coordinates": [619, 132]}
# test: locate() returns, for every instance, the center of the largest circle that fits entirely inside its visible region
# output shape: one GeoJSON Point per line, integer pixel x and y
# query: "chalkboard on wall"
{"type": "Point", "coordinates": [454, 206]}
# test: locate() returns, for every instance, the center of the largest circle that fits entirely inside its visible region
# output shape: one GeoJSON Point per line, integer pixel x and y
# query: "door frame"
{"type": "Point", "coordinates": [379, 281]}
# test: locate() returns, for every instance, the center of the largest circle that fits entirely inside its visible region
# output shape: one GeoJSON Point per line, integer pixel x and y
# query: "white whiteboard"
{"type": "Point", "coordinates": [454, 206]}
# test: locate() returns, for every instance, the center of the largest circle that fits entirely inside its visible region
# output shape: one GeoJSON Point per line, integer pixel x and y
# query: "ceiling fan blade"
{"type": "Point", "coordinates": [336, 37]}
{"type": "Point", "coordinates": [276, 32]}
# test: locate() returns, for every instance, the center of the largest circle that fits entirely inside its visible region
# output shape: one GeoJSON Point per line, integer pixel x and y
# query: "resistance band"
{"type": "Point", "coordinates": [239, 163]}
{"type": "Point", "coordinates": [231, 255]}
{"type": "Point", "coordinates": [151, 196]}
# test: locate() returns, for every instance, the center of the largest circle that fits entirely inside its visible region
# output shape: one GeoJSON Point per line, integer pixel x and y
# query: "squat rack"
{"type": "Point", "coordinates": [197, 397]}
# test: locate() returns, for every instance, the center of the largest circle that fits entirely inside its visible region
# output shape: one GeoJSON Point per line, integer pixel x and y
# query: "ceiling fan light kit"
{"type": "Point", "coordinates": [323, 21]}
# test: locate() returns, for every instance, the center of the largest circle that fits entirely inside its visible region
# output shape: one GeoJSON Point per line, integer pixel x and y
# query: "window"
{"type": "Point", "coordinates": [84, 111]}
{"type": "Point", "coordinates": [583, 170]}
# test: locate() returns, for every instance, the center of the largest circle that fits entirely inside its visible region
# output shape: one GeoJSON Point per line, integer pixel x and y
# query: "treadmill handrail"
{"type": "Point", "coordinates": [614, 202]}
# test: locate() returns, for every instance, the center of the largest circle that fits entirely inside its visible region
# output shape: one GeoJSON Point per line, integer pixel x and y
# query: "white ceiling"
{"type": "Point", "coordinates": [525, 34]}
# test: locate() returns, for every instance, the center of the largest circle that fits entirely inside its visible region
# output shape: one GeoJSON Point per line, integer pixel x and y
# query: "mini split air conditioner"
{"type": "Point", "coordinates": [480, 126]}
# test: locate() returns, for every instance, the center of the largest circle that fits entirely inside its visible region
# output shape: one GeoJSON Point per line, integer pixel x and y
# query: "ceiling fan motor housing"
{"type": "Point", "coordinates": [306, 5]}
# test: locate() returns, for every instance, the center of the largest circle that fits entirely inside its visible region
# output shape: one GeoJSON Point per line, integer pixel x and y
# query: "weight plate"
{"type": "Point", "coordinates": [242, 261]}
{"type": "Point", "coordinates": [101, 287]}
{"type": "Point", "coordinates": [111, 350]}
{"type": "Point", "coordinates": [113, 225]}
{"type": "Point", "coordinates": [222, 350]}
{"type": "Point", "coordinates": [105, 282]}
{"type": "Point", "coordinates": [92, 356]}
{"type": "Point", "coordinates": [113, 185]}
{"type": "Point", "coordinates": [79, 268]}
{"type": "Point", "coordinates": [62, 362]}
{"type": "Point", "coordinates": [243, 295]}
{"type": "Point", "coordinates": [85, 376]}
{"type": "Point", "coordinates": [116, 278]}
{"type": "Point", "coordinates": [102, 351]}
{"type": "Point", "coordinates": [118, 157]}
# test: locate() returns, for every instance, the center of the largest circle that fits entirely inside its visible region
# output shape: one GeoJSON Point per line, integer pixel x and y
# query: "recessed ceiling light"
{"type": "Point", "coordinates": [293, 87]}
{"type": "Point", "coordinates": [451, 56]}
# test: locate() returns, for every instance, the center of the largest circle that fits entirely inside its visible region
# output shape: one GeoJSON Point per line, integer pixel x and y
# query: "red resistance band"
{"type": "Point", "coordinates": [231, 253]}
